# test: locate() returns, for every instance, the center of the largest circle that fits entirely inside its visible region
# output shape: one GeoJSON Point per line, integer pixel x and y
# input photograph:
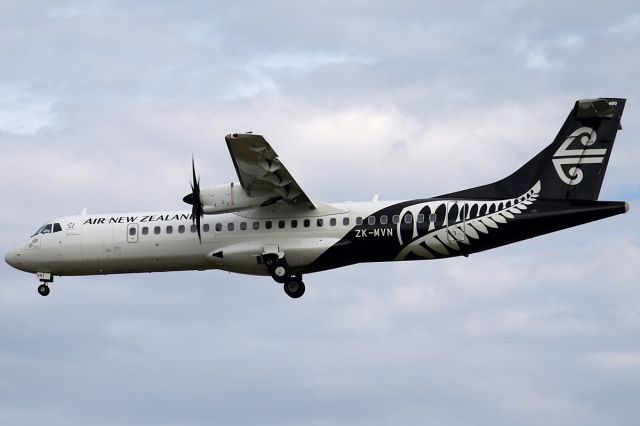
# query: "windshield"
{"type": "Point", "coordinates": [39, 230]}
{"type": "Point", "coordinates": [48, 229]}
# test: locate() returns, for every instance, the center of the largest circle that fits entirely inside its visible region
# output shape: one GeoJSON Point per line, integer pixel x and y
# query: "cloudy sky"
{"type": "Point", "coordinates": [102, 104]}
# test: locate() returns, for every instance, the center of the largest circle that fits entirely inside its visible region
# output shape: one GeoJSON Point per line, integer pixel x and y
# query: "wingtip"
{"type": "Point", "coordinates": [626, 207]}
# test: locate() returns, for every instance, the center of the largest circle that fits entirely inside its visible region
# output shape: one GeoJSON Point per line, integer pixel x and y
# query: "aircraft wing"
{"type": "Point", "coordinates": [259, 169]}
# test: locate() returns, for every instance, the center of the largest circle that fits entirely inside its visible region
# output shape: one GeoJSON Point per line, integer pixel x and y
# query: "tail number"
{"type": "Point", "coordinates": [376, 232]}
{"type": "Point", "coordinates": [565, 156]}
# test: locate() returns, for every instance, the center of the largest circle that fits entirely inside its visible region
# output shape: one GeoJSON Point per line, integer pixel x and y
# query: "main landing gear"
{"type": "Point", "coordinates": [281, 273]}
{"type": "Point", "coordinates": [45, 278]}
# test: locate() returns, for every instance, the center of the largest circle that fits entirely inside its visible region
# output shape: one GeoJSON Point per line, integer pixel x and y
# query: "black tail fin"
{"type": "Point", "coordinates": [573, 166]}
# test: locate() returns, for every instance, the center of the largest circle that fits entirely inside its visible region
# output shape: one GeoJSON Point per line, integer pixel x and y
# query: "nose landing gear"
{"type": "Point", "coordinates": [44, 290]}
{"type": "Point", "coordinates": [45, 278]}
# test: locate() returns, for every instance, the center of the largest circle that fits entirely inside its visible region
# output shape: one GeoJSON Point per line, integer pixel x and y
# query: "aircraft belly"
{"type": "Point", "coordinates": [246, 257]}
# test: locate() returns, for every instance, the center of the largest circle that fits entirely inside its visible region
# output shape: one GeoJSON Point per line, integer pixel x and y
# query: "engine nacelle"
{"type": "Point", "coordinates": [230, 197]}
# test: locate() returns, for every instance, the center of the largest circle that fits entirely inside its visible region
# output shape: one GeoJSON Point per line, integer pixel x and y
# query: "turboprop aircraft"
{"type": "Point", "coordinates": [267, 225]}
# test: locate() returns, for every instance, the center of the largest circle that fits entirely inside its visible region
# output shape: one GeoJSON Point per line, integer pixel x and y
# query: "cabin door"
{"type": "Point", "coordinates": [132, 233]}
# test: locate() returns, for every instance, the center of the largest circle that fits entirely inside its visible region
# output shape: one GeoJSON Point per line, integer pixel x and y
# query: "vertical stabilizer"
{"type": "Point", "coordinates": [574, 165]}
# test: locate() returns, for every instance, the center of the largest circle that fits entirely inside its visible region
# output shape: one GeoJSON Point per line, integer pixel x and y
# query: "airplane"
{"type": "Point", "coordinates": [265, 224]}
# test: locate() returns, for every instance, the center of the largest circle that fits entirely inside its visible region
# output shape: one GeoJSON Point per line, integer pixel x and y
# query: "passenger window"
{"type": "Point", "coordinates": [205, 227]}
{"type": "Point", "coordinates": [218, 227]}
{"type": "Point", "coordinates": [408, 218]}
{"type": "Point", "coordinates": [371, 220]}
{"type": "Point", "coordinates": [156, 230]}
{"type": "Point", "coordinates": [193, 229]}
{"type": "Point", "coordinates": [294, 223]}
{"type": "Point", "coordinates": [420, 218]}
{"type": "Point", "coordinates": [268, 224]}
{"type": "Point", "coordinates": [306, 223]}
{"type": "Point", "coordinates": [345, 221]}
{"type": "Point", "coordinates": [395, 219]}
{"type": "Point", "coordinates": [230, 226]}
{"type": "Point", "coordinates": [384, 219]}
{"type": "Point", "coordinates": [181, 229]}
{"type": "Point", "coordinates": [169, 229]}
{"type": "Point", "coordinates": [332, 221]}
{"type": "Point", "coordinates": [319, 222]}
{"type": "Point", "coordinates": [256, 225]}
{"type": "Point", "coordinates": [243, 226]}
{"type": "Point", "coordinates": [281, 224]}
{"type": "Point", "coordinates": [132, 231]}
{"type": "Point", "coordinates": [145, 230]}
{"type": "Point", "coordinates": [432, 217]}
{"type": "Point", "coordinates": [57, 227]}
{"type": "Point", "coordinates": [359, 220]}
{"type": "Point", "coordinates": [46, 229]}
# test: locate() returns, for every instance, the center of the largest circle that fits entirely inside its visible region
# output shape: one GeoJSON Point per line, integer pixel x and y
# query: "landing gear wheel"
{"type": "Point", "coordinates": [44, 290]}
{"type": "Point", "coordinates": [280, 272]}
{"type": "Point", "coordinates": [294, 288]}
{"type": "Point", "coordinates": [270, 261]}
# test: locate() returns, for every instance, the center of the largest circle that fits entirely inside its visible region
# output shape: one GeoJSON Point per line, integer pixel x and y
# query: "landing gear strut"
{"type": "Point", "coordinates": [45, 278]}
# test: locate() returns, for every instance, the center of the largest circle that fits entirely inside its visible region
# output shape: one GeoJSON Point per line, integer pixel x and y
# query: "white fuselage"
{"type": "Point", "coordinates": [168, 241]}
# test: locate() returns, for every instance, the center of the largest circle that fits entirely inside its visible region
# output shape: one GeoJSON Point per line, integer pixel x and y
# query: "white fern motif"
{"type": "Point", "coordinates": [449, 238]}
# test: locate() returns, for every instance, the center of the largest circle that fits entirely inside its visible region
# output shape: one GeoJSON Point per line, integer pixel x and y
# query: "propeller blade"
{"type": "Point", "coordinates": [198, 227]}
{"type": "Point", "coordinates": [195, 186]}
{"type": "Point", "coordinates": [194, 199]}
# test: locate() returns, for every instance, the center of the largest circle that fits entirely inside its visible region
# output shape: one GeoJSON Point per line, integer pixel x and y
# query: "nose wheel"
{"type": "Point", "coordinates": [44, 290]}
{"type": "Point", "coordinates": [45, 278]}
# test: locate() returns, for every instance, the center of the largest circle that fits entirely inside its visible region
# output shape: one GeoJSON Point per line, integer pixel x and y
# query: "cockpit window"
{"type": "Point", "coordinates": [38, 231]}
{"type": "Point", "coordinates": [48, 229]}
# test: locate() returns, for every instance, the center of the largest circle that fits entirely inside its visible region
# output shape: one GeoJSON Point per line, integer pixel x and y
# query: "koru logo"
{"type": "Point", "coordinates": [577, 156]}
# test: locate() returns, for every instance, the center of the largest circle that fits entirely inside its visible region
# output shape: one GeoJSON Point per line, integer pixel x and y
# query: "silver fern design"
{"type": "Point", "coordinates": [462, 222]}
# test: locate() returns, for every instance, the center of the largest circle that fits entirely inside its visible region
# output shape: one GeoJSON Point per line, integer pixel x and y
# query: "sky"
{"type": "Point", "coordinates": [102, 104]}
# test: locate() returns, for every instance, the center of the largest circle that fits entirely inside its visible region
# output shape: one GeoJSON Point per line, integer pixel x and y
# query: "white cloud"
{"type": "Point", "coordinates": [23, 112]}
{"type": "Point", "coordinates": [102, 104]}
{"type": "Point", "coordinates": [626, 362]}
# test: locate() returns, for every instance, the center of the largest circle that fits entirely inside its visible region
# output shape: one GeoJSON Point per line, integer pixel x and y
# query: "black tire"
{"type": "Point", "coordinates": [44, 290]}
{"type": "Point", "coordinates": [294, 288]}
{"type": "Point", "coordinates": [270, 261]}
{"type": "Point", "coordinates": [280, 272]}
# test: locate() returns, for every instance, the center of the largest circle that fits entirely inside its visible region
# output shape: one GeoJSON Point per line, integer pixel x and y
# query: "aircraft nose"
{"type": "Point", "coordinates": [12, 258]}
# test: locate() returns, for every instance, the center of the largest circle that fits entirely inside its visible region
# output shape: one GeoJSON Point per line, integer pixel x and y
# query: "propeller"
{"type": "Point", "coordinates": [194, 199]}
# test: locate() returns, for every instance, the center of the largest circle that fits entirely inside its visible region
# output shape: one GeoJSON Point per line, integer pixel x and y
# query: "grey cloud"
{"type": "Point", "coordinates": [103, 103]}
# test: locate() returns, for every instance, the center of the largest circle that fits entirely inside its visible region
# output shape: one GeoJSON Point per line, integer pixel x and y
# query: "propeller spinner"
{"type": "Point", "coordinates": [194, 199]}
